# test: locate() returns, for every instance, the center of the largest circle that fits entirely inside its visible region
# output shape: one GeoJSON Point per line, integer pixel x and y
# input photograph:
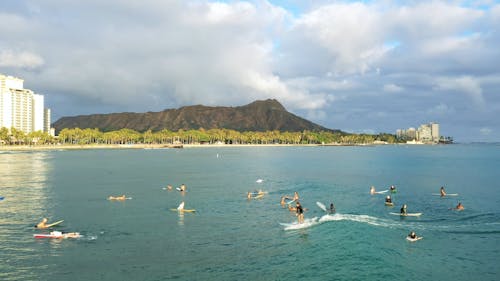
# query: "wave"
{"type": "Point", "coordinates": [359, 218]}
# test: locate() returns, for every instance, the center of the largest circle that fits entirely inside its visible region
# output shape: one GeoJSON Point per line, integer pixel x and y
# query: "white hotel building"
{"type": "Point", "coordinates": [21, 108]}
{"type": "Point", "coordinates": [426, 133]}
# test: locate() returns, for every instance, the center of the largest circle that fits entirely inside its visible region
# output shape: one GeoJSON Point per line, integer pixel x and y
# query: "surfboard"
{"type": "Point", "coordinates": [447, 194]}
{"type": "Point", "coordinates": [321, 206]}
{"type": "Point", "coordinates": [389, 204]}
{"type": "Point", "coordinates": [258, 196]}
{"type": "Point", "coordinates": [413, 239]}
{"type": "Point", "coordinates": [289, 202]}
{"type": "Point", "coordinates": [380, 192]}
{"type": "Point", "coordinates": [183, 210]}
{"type": "Point", "coordinates": [259, 181]}
{"type": "Point", "coordinates": [407, 214]}
{"type": "Point", "coordinates": [47, 236]}
{"type": "Point", "coordinates": [52, 224]}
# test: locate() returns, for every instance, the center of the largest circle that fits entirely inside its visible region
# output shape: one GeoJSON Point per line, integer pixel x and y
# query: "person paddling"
{"type": "Point", "coordinates": [42, 224]}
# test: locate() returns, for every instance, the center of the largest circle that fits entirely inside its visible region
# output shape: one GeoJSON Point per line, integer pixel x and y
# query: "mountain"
{"type": "Point", "coordinates": [264, 115]}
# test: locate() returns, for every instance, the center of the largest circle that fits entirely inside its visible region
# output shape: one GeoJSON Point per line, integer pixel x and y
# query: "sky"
{"type": "Point", "coordinates": [357, 66]}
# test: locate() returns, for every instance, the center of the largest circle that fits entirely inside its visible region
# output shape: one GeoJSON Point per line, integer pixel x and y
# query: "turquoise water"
{"type": "Point", "coordinates": [231, 238]}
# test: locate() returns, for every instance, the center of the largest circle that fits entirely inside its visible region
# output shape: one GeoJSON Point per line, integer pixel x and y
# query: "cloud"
{"type": "Point", "coordinates": [485, 131]}
{"type": "Point", "coordinates": [465, 84]}
{"type": "Point", "coordinates": [393, 88]}
{"type": "Point", "coordinates": [26, 60]}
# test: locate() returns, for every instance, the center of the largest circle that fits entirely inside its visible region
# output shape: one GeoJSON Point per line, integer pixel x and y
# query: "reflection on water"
{"type": "Point", "coordinates": [23, 183]}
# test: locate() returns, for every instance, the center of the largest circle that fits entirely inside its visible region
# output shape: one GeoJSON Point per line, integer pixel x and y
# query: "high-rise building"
{"type": "Point", "coordinates": [21, 108]}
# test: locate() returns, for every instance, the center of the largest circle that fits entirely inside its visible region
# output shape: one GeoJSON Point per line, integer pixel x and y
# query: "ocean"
{"type": "Point", "coordinates": [232, 238]}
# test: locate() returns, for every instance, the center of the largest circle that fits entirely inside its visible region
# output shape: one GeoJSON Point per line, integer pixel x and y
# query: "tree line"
{"type": "Point", "coordinates": [200, 136]}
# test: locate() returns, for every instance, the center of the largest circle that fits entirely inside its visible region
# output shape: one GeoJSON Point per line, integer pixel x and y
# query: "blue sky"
{"type": "Point", "coordinates": [358, 66]}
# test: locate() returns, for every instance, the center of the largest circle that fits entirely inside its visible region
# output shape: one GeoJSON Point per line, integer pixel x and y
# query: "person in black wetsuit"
{"type": "Point", "coordinates": [388, 199]}
{"type": "Point", "coordinates": [300, 212]}
{"type": "Point", "coordinates": [403, 210]}
{"type": "Point", "coordinates": [332, 209]}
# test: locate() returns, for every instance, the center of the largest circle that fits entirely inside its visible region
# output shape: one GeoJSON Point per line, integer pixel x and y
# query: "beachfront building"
{"type": "Point", "coordinates": [426, 133]}
{"type": "Point", "coordinates": [21, 108]}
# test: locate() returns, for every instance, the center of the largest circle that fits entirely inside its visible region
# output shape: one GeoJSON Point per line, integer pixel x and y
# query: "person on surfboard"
{"type": "Point", "coordinates": [403, 210]}
{"type": "Point", "coordinates": [393, 188]}
{"type": "Point", "coordinates": [42, 224]}
{"type": "Point", "coordinates": [182, 187]}
{"type": "Point", "coordinates": [442, 192]}
{"type": "Point", "coordinates": [332, 209]}
{"type": "Point", "coordinates": [299, 212]}
{"type": "Point", "coordinates": [117, 197]}
{"type": "Point", "coordinates": [413, 235]}
{"type": "Point", "coordinates": [372, 190]}
{"type": "Point", "coordinates": [388, 199]}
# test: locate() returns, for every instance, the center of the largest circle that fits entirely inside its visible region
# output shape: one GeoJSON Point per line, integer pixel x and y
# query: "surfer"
{"type": "Point", "coordinates": [372, 190]}
{"type": "Point", "coordinates": [182, 187]}
{"type": "Point", "coordinates": [169, 187]}
{"type": "Point", "coordinates": [459, 207]}
{"type": "Point", "coordinates": [413, 236]}
{"type": "Point", "coordinates": [42, 224]}
{"type": "Point", "coordinates": [332, 209]}
{"type": "Point", "coordinates": [299, 212]}
{"type": "Point", "coordinates": [388, 199]}
{"type": "Point", "coordinates": [393, 188]}
{"type": "Point", "coordinates": [442, 192]}
{"type": "Point", "coordinates": [403, 210]}
{"type": "Point", "coordinates": [117, 197]}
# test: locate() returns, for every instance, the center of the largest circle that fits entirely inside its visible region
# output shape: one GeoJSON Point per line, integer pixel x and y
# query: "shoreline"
{"type": "Point", "coordinates": [149, 146]}
{"type": "Point", "coordinates": [8, 148]}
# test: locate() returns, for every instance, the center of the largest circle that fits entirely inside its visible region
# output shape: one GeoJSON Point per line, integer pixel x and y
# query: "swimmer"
{"type": "Point", "coordinates": [42, 224]}
{"type": "Point", "coordinates": [459, 207]}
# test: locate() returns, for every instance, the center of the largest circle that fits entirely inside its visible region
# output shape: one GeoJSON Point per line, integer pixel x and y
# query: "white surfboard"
{"type": "Point", "coordinates": [447, 194]}
{"type": "Point", "coordinates": [321, 206]}
{"type": "Point", "coordinates": [407, 214]}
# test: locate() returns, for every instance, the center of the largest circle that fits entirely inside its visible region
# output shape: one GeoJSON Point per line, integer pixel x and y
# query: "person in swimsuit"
{"type": "Point", "coordinates": [42, 224]}
{"type": "Point", "coordinates": [442, 192]}
{"type": "Point", "coordinates": [412, 235]}
{"type": "Point", "coordinates": [459, 207]}
{"type": "Point", "coordinates": [300, 212]}
{"type": "Point", "coordinates": [403, 210]}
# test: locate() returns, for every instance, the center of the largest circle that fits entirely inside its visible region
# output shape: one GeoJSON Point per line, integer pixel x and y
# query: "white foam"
{"type": "Point", "coordinates": [357, 218]}
{"type": "Point", "coordinates": [306, 224]}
